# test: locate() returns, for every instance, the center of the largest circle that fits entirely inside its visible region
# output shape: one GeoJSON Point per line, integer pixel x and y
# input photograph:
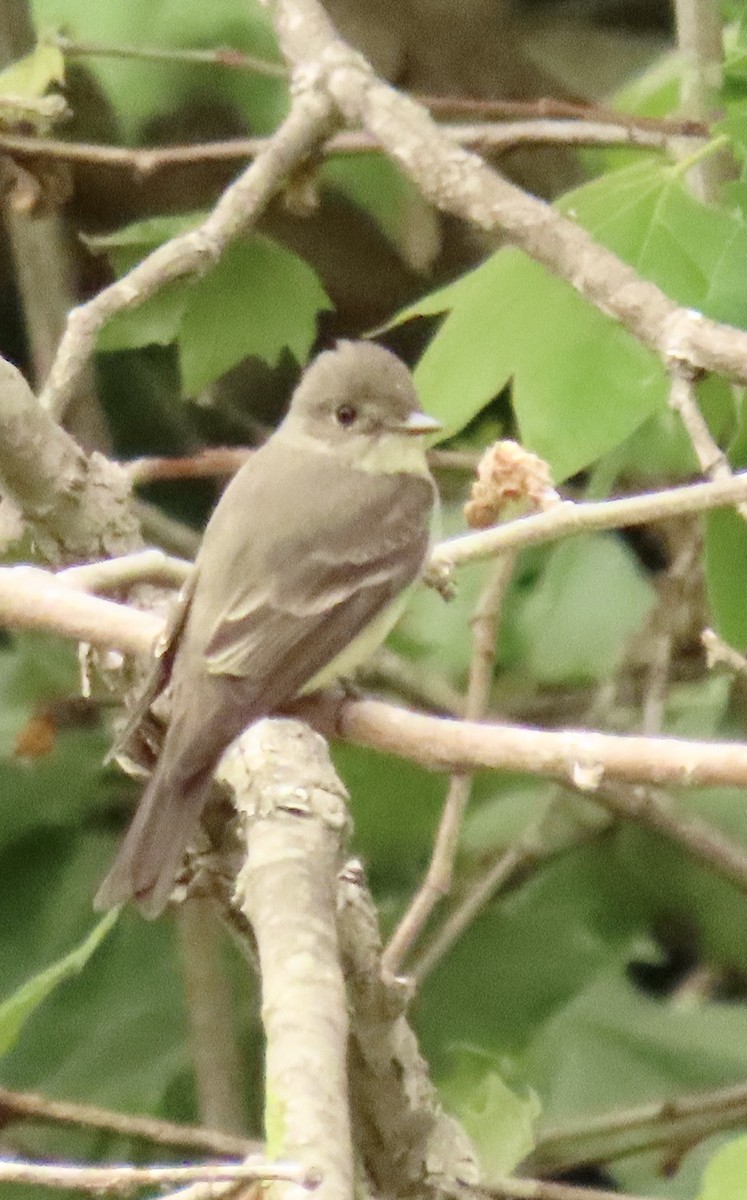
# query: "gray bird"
{"type": "Point", "coordinates": [303, 570]}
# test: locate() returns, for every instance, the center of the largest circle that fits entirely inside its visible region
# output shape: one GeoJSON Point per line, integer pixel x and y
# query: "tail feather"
{"type": "Point", "coordinates": [155, 843]}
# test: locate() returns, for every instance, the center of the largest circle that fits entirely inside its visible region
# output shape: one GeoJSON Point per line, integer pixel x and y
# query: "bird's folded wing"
{"type": "Point", "coordinates": [321, 585]}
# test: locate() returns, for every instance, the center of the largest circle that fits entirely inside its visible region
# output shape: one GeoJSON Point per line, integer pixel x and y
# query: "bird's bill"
{"type": "Point", "coordinates": [418, 422]}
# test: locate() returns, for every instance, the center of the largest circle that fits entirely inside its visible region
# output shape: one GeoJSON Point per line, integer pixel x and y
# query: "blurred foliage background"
{"type": "Point", "coordinates": [612, 969]}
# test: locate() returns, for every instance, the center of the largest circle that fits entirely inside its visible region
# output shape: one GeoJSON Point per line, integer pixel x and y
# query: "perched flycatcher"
{"type": "Point", "coordinates": [301, 574]}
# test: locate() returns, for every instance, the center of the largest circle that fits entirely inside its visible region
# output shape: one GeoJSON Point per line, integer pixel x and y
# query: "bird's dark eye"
{"type": "Point", "coordinates": [346, 414]}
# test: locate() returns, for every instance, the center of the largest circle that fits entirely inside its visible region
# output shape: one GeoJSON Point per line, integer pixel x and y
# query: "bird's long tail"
{"type": "Point", "coordinates": [154, 845]}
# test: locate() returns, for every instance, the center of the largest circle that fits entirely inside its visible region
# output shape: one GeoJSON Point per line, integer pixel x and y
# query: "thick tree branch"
{"type": "Point", "coordinates": [406, 1140]}
{"type": "Point", "coordinates": [78, 506]}
{"type": "Point", "coordinates": [293, 816]}
{"type": "Point", "coordinates": [30, 599]}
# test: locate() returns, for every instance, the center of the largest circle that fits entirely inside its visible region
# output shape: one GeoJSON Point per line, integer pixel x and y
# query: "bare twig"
{"type": "Point", "coordinates": [412, 681]}
{"type": "Point", "coordinates": [710, 456]}
{"type": "Point", "coordinates": [307, 125]}
{"type": "Point", "coordinates": [571, 517]}
{"type": "Point", "coordinates": [480, 108]}
{"type": "Point", "coordinates": [122, 1179]}
{"type": "Point", "coordinates": [718, 653]}
{"type": "Point", "coordinates": [656, 810]}
{"type": "Point", "coordinates": [115, 574]}
{"type": "Point", "coordinates": [438, 879]}
{"type": "Point", "coordinates": [539, 1189]}
{"type": "Point", "coordinates": [678, 1121]}
{"type": "Point", "coordinates": [30, 1106]}
{"type": "Point", "coordinates": [491, 136]}
{"type": "Point", "coordinates": [173, 536]}
{"type": "Point", "coordinates": [206, 464]}
{"type": "Point", "coordinates": [494, 138]}
{"type": "Point", "coordinates": [235, 60]}
{"type": "Point", "coordinates": [226, 460]}
{"type": "Point", "coordinates": [506, 867]}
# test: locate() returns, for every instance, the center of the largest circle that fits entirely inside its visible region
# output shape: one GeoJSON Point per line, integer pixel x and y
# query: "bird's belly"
{"type": "Point", "coordinates": [361, 647]}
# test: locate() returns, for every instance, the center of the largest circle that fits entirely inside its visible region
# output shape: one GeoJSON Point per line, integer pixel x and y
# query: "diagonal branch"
{"type": "Point", "coordinates": [461, 183]}
{"type": "Point", "coordinates": [307, 125]}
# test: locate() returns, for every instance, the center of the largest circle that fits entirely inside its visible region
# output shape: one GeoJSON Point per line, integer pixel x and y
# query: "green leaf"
{"type": "Point", "coordinates": [156, 321]}
{"type": "Point", "coordinates": [125, 1010]}
{"type": "Point", "coordinates": [724, 1177]}
{"type": "Point", "coordinates": [499, 1122]}
{"type": "Point", "coordinates": [31, 76]}
{"type": "Point", "coordinates": [726, 574]}
{"type": "Point", "coordinates": [258, 299]}
{"type": "Point", "coordinates": [581, 385]}
{"type": "Point", "coordinates": [127, 245]}
{"type": "Point", "coordinates": [577, 621]}
{"type": "Point", "coordinates": [16, 1010]}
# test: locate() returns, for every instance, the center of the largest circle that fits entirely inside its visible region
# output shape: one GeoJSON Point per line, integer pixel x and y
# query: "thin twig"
{"type": "Point", "coordinates": [494, 137]}
{"type": "Point", "coordinates": [656, 810]}
{"type": "Point", "coordinates": [121, 1179]}
{"type": "Point", "coordinates": [116, 574]}
{"type": "Point", "coordinates": [411, 680]}
{"type": "Point", "coordinates": [711, 458]}
{"type": "Point", "coordinates": [235, 60]}
{"type": "Point", "coordinates": [546, 107]}
{"type": "Point", "coordinates": [438, 879]}
{"type": "Point", "coordinates": [539, 1189]}
{"type": "Point", "coordinates": [219, 461]}
{"type": "Point", "coordinates": [507, 866]}
{"type": "Point", "coordinates": [212, 462]}
{"type": "Point", "coordinates": [719, 653]}
{"type": "Point", "coordinates": [30, 1106]}
{"type": "Point", "coordinates": [570, 517]}
{"type": "Point", "coordinates": [213, 1034]}
{"type": "Point", "coordinates": [679, 1120]}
